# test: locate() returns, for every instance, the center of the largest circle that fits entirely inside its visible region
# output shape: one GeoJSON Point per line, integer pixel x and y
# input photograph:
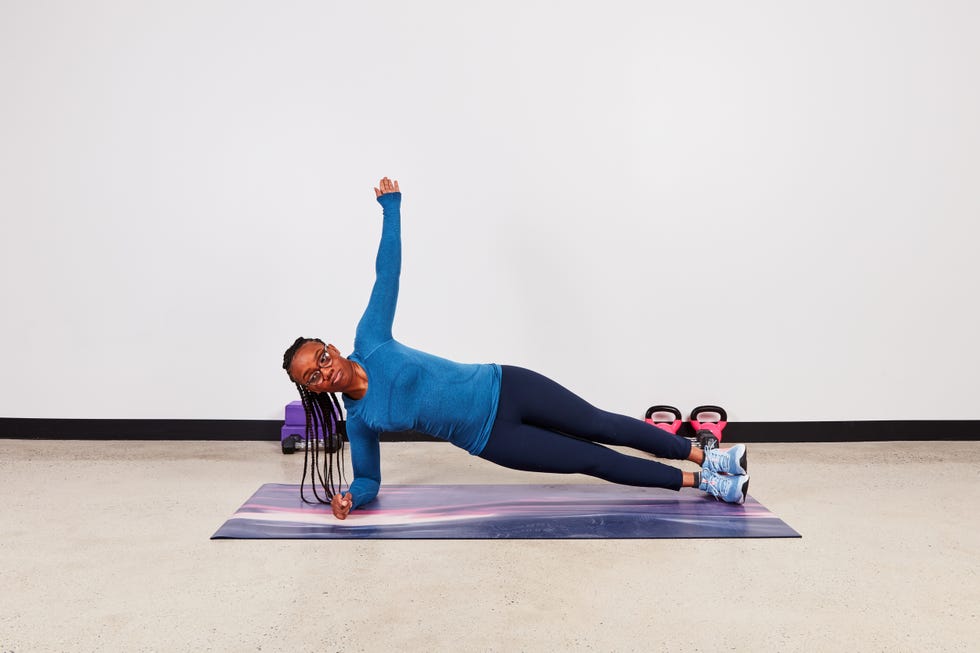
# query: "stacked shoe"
{"type": "Point", "coordinates": [732, 461]}
{"type": "Point", "coordinates": [724, 474]}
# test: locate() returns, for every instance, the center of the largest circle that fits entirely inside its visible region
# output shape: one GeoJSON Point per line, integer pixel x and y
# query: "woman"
{"type": "Point", "coordinates": [508, 415]}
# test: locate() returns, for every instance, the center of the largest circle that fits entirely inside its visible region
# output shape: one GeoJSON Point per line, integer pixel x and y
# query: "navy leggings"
{"type": "Point", "coordinates": [543, 427]}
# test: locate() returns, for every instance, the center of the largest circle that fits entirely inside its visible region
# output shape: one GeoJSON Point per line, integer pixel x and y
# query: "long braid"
{"type": "Point", "coordinates": [307, 450]}
{"type": "Point", "coordinates": [340, 431]}
{"type": "Point", "coordinates": [333, 440]}
{"type": "Point", "coordinates": [321, 433]}
{"type": "Point", "coordinates": [324, 426]}
{"type": "Point", "coordinates": [316, 428]}
{"type": "Point", "coordinates": [311, 454]}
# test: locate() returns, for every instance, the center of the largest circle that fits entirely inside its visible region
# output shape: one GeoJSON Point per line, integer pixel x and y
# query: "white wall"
{"type": "Point", "coordinates": [769, 205]}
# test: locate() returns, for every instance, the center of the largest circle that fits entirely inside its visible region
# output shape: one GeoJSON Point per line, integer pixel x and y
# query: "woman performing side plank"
{"type": "Point", "coordinates": [508, 415]}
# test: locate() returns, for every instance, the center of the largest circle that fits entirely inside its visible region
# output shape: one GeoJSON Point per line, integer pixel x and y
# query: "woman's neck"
{"type": "Point", "coordinates": [360, 383]}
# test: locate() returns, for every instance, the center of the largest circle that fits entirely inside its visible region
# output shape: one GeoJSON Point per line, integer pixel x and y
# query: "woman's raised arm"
{"type": "Point", "coordinates": [375, 326]}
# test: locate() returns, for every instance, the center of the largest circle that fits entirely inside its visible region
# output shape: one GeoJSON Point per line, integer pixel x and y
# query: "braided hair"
{"type": "Point", "coordinates": [325, 429]}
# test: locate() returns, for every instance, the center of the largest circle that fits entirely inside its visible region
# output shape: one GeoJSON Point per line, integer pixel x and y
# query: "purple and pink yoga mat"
{"type": "Point", "coordinates": [276, 511]}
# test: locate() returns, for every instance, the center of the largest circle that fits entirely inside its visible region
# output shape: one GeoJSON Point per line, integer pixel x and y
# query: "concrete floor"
{"type": "Point", "coordinates": [104, 547]}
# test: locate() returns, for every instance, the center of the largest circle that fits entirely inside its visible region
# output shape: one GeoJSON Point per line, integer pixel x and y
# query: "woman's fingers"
{"type": "Point", "coordinates": [386, 185]}
{"type": "Point", "coordinates": [340, 507]}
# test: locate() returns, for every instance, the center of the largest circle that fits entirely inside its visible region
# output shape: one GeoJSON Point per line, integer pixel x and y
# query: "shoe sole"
{"type": "Point", "coordinates": [745, 491]}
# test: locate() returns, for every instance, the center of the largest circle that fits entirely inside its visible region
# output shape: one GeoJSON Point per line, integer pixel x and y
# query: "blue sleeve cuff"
{"type": "Point", "coordinates": [363, 491]}
{"type": "Point", "coordinates": [389, 200]}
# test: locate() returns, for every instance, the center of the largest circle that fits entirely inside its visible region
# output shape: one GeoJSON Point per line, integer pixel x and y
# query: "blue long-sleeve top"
{"type": "Point", "coordinates": [409, 390]}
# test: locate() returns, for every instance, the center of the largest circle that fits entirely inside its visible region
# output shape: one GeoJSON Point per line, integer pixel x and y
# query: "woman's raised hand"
{"type": "Point", "coordinates": [386, 186]}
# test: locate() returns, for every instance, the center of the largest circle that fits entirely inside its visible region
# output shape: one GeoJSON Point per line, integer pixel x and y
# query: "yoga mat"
{"type": "Point", "coordinates": [607, 510]}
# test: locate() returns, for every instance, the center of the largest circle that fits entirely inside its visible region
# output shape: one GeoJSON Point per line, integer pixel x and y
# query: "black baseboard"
{"type": "Point", "coordinates": [203, 429]}
{"type": "Point", "coordinates": [858, 431]}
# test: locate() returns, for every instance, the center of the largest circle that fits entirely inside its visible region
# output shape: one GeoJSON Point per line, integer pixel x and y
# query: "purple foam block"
{"type": "Point", "coordinates": [290, 429]}
{"type": "Point", "coordinates": [295, 420]}
{"type": "Point", "coordinates": [295, 415]}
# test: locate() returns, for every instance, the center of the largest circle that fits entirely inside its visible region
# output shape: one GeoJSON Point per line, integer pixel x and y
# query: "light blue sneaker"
{"type": "Point", "coordinates": [732, 489]}
{"type": "Point", "coordinates": [727, 461]}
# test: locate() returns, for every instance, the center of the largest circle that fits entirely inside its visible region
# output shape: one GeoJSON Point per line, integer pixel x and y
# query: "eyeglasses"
{"type": "Point", "coordinates": [323, 361]}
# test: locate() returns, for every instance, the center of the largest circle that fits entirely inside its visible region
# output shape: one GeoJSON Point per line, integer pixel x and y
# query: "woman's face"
{"type": "Point", "coordinates": [321, 368]}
